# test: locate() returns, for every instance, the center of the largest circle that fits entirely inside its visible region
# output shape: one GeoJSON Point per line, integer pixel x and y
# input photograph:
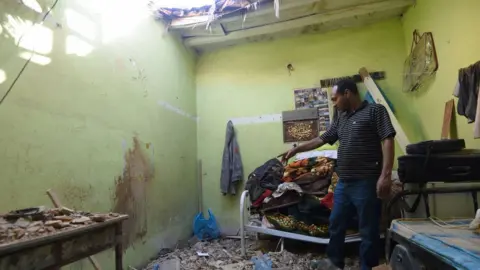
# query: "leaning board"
{"type": "Point", "coordinates": [372, 87]}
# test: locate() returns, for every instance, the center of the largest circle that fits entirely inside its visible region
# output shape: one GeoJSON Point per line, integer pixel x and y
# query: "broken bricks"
{"type": "Point", "coordinates": [218, 259]}
{"type": "Point", "coordinates": [81, 220]}
{"type": "Point", "coordinates": [53, 223]}
{"type": "Point", "coordinates": [50, 221]}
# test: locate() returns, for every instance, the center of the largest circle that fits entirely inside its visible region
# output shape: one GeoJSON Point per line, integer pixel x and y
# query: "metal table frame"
{"type": "Point", "coordinates": [422, 192]}
{"type": "Point", "coordinates": [295, 236]}
{"type": "Point", "coordinates": [429, 260]}
{"type": "Point", "coordinates": [58, 249]}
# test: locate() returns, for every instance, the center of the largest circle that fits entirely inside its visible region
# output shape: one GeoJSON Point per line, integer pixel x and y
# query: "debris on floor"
{"type": "Point", "coordinates": [224, 254]}
{"type": "Point", "coordinates": [38, 221]}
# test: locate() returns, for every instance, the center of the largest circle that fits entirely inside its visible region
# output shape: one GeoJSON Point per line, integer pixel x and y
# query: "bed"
{"type": "Point", "coordinates": [448, 244]}
{"type": "Point", "coordinates": [258, 229]}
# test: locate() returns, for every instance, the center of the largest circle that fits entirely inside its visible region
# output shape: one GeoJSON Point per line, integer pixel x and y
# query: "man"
{"type": "Point", "coordinates": [364, 167]}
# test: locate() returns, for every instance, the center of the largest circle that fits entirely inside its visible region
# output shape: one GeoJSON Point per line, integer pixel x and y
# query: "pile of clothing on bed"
{"type": "Point", "coordinates": [297, 197]}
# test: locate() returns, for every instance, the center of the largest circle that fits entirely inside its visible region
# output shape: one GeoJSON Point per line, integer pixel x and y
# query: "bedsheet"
{"type": "Point", "coordinates": [459, 247]}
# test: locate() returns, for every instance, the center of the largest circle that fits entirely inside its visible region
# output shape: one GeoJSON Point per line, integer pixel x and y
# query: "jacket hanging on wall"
{"type": "Point", "coordinates": [232, 167]}
{"type": "Point", "coordinates": [467, 92]}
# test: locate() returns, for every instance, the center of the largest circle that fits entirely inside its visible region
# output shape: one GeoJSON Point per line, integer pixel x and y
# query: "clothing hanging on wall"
{"type": "Point", "coordinates": [232, 166]}
{"type": "Point", "coordinates": [466, 90]}
{"type": "Point", "coordinates": [476, 125]}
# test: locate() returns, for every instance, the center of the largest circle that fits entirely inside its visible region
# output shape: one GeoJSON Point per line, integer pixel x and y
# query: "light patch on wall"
{"type": "Point", "coordinates": [80, 24]}
{"type": "Point", "coordinates": [33, 5]}
{"type": "Point", "coordinates": [177, 110]}
{"type": "Point", "coordinates": [76, 46]}
{"type": "Point", "coordinates": [16, 26]}
{"type": "Point", "coordinates": [31, 37]}
{"type": "Point", "coordinates": [3, 76]}
{"type": "Point", "coordinates": [260, 119]}
{"type": "Point", "coordinates": [114, 24]}
{"type": "Point", "coordinates": [38, 39]}
{"type": "Point", "coordinates": [36, 58]}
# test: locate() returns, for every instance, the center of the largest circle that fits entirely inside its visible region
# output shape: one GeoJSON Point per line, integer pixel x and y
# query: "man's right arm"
{"type": "Point", "coordinates": [310, 145]}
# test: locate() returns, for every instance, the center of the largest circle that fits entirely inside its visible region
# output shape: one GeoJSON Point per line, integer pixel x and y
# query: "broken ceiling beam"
{"type": "Point", "coordinates": [340, 14]}
{"type": "Point", "coordinates": [262, 9]}
{"type": "Point", "coordinates": [266, 9]}
{"type": "Point", "coordinates": [215, 29]}
{"type": "Point", "coordinates": [185, 22]}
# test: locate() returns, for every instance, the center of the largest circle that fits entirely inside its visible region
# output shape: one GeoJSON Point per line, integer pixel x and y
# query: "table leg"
{"type": "Point", "coordinates": [118, 248]}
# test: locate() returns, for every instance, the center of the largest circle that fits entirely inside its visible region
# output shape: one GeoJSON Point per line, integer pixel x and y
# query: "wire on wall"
{"type": "Point", "coordinates": [29, 59]}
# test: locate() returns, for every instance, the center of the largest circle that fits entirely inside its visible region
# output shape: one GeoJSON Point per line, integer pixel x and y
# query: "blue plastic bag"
{"type": "Point", "coordinates": [262, 263]}
{"type": "Point", "coordinates": [206, 229]}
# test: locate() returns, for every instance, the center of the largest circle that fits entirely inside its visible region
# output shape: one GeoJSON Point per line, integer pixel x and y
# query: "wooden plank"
{"type": "Point", "coordinates": [301, 22]}
{"type": "Point", "coordinates": [200, 186]}
{"type": "Point", "coordinates": [380, 75]}
{"type": "Point", "coordinates": [53, 197]}
{"type": "Point", "coordinates": [401, 137]}
{"type": "Point", "coordinates": [447, 119]}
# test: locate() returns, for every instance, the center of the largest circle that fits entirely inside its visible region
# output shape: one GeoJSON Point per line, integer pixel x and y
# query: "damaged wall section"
{"type": "Point", "coordinates": [131, 193]}
{"type": "Point", "coordinates": [96, 72]}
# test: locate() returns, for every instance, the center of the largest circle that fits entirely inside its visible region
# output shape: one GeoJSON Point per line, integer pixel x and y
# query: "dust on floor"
{"type": "Point", "coordinates": [225, 254]}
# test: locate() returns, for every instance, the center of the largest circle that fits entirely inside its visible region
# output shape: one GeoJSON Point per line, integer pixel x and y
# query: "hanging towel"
{"type": "Point", "coordinates": [232, 167]}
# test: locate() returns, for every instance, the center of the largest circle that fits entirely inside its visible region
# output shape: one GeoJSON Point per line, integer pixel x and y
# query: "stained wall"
{"type": "Point", "coordinates": [103, 114]}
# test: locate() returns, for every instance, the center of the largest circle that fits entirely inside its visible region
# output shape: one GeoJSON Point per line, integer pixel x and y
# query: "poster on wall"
{"type": "Point", "coordinates": [314, 98]}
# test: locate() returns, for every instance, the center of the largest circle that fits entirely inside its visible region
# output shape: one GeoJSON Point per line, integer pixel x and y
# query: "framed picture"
{"type": "Point", "coordinates": [310, 98]}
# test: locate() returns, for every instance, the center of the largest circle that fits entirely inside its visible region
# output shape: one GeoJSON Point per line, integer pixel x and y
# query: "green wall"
{"type": "Point", "coordinates": [457, 35]}
{"type": "Point", "coordinates": [252, 80]}
{"type": "Point", "coordinates": [103, 73]}
{"type": "Point", "coordinates": [457, 38]}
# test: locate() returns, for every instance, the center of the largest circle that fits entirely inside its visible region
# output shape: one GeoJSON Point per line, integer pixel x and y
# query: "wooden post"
{"type": "Point", "coordinates": [200, 187]}
{"type": "Point", "coordinates": [447, 119]}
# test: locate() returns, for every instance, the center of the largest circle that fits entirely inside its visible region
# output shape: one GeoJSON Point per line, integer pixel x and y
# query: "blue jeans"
{"type": "Point", "coordinates": [362, 195]}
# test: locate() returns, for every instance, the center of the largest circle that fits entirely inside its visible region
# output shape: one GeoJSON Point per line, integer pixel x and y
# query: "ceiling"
{"type": "Point", "coordinates": [295, 17]}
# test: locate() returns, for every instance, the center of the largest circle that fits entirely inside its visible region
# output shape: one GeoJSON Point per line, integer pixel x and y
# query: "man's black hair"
{"type": "Point", "coordinates": [345, 84]}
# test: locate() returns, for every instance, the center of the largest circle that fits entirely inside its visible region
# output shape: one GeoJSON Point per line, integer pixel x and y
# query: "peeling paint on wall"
{"type": "Point", "coordinates": [131, 192]}
{"type": "Point", "coordinates": [174, 109]}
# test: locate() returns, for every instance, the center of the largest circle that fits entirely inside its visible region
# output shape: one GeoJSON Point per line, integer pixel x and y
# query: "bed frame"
{"type": "Point", "coordinates": [281, 234]}
{"type": "Point", "coordinates": [422, 192]}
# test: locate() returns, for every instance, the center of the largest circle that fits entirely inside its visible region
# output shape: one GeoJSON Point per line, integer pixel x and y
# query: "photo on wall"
{"type": "Point", "coordinates": [314, 98]}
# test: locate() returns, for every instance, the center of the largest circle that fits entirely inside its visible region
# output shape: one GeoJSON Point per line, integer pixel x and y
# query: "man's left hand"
{"type": "Point", "coordinates": [384, 185]}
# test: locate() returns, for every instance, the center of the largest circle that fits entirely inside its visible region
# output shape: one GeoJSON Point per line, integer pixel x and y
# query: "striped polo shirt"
{"type": "Point", "coordinates": [360, 134]}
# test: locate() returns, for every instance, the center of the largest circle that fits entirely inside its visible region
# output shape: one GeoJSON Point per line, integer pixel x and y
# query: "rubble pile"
{"type": "Point", "coordinates": [34, 222]}
{"type": "Point", "coordinates": [225, 254]}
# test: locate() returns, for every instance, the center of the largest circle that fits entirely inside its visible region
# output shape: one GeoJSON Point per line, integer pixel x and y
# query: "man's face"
{"type": "Point", "coordinates": [340, 101]}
